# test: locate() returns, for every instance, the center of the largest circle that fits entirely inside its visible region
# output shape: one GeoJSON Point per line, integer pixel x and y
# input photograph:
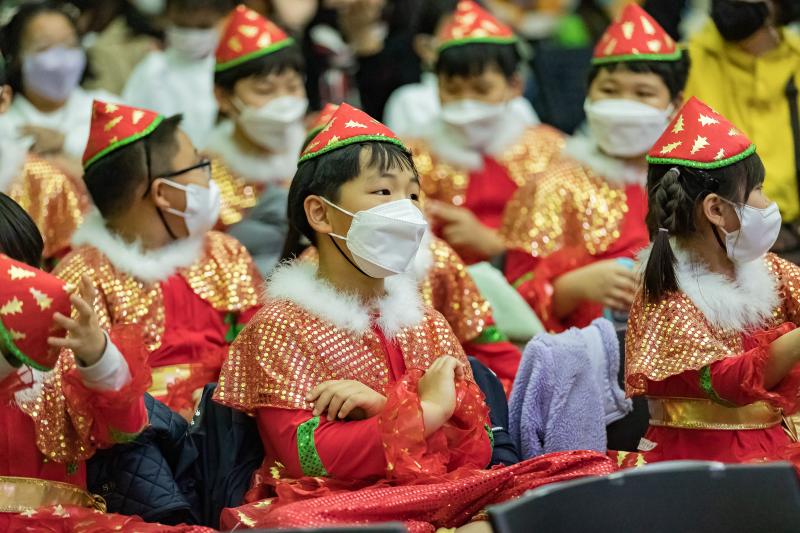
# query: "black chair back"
{"type": "Point", "coordinates": [669, 497]}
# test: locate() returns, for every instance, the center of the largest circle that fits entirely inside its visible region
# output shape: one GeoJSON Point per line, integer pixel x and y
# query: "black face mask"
{"type": "Point", "coordinates": [737, 21]}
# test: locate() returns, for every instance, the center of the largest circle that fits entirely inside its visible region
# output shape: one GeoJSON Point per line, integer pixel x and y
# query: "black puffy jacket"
{"type": "Point", "coordinates": [153, 476]}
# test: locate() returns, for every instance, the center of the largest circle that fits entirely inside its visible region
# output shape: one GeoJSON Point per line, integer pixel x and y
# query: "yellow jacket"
{"type": "Point", "coordinates": [751, 92]}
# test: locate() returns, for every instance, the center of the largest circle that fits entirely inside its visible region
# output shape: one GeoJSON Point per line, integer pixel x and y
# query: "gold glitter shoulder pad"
{"type": "Point", "coordinates": [529, 156]}
{"type": "Point", "coordinates": [236, 195]}
{"type": "Point", "coordinates": [56, 202]}
{"type": "Point", "coordinates": [62, 435]}
{"type": "Point", "coordinates": [450, 289]}
{"type": "Point", "coordinates": [226, 276]}
{"type": "Point", "coordinates": [568, 205]}
{"type": "Point", "coordinates": [669, 337]}
{"type": "Point", "coordinates": [285, 351]}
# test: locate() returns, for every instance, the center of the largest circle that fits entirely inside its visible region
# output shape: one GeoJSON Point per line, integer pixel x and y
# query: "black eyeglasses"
{"type": "Point", "coordinates": [202, 164]}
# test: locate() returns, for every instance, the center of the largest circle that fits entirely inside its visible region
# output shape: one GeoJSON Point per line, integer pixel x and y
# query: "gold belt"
{"type": "Point", "coordinates": [164, 376]}
{"type": "Point", "coordinates": [20, 494]}
{"type": "Point", "coordinates": [697, 413]}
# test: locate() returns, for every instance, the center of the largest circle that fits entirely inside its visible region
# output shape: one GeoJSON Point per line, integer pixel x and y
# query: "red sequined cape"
{"type": "Point", "coordinates": [568, 218]}
{"type": "Point", "coordinates": [189, 319]}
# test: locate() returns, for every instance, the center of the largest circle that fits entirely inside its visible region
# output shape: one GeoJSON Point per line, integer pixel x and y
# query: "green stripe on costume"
{"type": "Point", "coordinates": [310, 461]}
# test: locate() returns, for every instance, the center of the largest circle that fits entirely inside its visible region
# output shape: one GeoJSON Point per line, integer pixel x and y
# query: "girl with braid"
{"type": "Point", "coordinates": [712, 340]}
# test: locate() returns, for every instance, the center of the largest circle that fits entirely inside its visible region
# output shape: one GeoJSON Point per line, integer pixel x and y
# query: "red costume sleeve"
{"type": "Point", "coordinates": [116, 416]}
{"type": "Point", "coordinates": [533, 277]}
{"type": "Point", "coordinates": [462, 441]}
{"type": "Point", "coordinates": [347, 450]}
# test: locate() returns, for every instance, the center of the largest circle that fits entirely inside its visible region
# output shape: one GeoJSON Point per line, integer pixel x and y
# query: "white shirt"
{"type": "Point", "coordinates": [170, 83]}
{"type": "Point", "coordinates": [72, 119]}
{"type": "Point", "coordinates": [412, 106]}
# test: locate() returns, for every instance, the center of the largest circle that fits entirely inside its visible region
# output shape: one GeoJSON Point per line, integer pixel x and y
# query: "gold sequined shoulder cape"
{"type": "Point", "coordinates": [569, 205]}
{"type": "Point", "coordinates": [285, 351]}
{"type": "Point", "coordinates": [450, 289]}
{"type": "Point", "coordinates": [523, 160]}
{"type": "Point", "coordinates": [56, 202]}
{"type": "Point", "coordinates": [237, 197]}
{"type": "Point", "coordinates": [672, 335]}
{"type": "Point", "coordinates": [224, 276]}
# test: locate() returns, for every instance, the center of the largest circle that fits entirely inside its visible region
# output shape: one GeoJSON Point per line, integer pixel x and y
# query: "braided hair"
{"type": "Point", "coordinates": [673, 193]}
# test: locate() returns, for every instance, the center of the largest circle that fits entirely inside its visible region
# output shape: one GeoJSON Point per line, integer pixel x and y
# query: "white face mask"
{"type": "Point", "coordinates": [202, 207]}
{"type": "Point", "coordinates": [384, 240]}
{"type": "Point", "coordinates": [150, 7]}
{"type": "Point", "coordinates": [475, 122]}
{"type": "Point", "coordinates": [192, 43]}
{"type": "Point", "coordinates": [268, 125]}
{"type": "Point", "coordinates": [626, 128]}
{"type": "Point", "coordinates": [758, 232]}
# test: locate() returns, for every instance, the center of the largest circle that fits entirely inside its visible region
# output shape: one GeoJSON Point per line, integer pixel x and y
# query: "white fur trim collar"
{"type": "Point", "coordinates": [146, 266]}
{"type": "Point", "coordinates": [584, 150]}
{"type": "Point", "coordinates": [298, 283]}
{"type": "Point", "coordinates": [253, 168]}
{"type": "Point", "coordinates": [444, 144]}
{"type": "Point", "coordinates": [743, 304]}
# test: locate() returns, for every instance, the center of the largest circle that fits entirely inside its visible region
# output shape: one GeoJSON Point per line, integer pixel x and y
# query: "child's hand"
{"type": "Point", "coordinates": [462, 229]}
{"type": "Point", "coordinates": [84, 336]}
{"type": "Point", "coordinates": [341, 397]}
{"type": "Point", "coordinates": [437, 391]}
{"type": "Point", "coordinates": [610, 283]}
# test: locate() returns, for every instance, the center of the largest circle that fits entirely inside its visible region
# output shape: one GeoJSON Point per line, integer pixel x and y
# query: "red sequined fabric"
{"type": "Point", "coordinates": [431, 483]}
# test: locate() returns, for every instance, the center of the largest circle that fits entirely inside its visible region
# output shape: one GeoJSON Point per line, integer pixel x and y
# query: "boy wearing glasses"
{"type": "Point", "coordinates": [150, 252]}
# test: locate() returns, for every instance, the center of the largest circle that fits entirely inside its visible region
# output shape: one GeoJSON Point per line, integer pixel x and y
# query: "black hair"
{"type": "Point", "coordinates": [474, 59]}
{"type": "Point", "coordinates": [288, 58]}
{"type": "Point", "coordinates": [223, 7]}
{"type": "Point", "coordinates": [672, 73]}
{"type": "Point", "coordinates": [11, 36]}
{"type": "Point", "coordinates": [429, 15]}
{"type": "Point", "coordinates": [113, 179]}
{"type": "Point", "coordinates": [325, 174]}
{"type": "Point", "coordinates": [788, 11]}
{"type": "Point", "coordinates": [673, 192]}
{"type": "Point", "coordinates": [20, 239]}
{"type": "Point", "coordinates": [101, 14]}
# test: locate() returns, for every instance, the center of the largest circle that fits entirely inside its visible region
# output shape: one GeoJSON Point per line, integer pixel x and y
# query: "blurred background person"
{"type": "Point", "coordinates": [118, 34]}
{"type": "Point", "coordinates": [745, 64]}
{"type": "Point", "coordinates": [46, 65]}
{"type": "Point", "coordinates": [181, 78]}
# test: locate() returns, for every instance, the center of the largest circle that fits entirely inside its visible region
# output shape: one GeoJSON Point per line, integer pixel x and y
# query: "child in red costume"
{"type": "Point", "coordinates": [712, 340]}
{"type": "Point", "coordinates": [363, 396]}
{"type": "Point", "coordinates": [67, 388]}
{"type": "Point", "coordinates": [567, 231]}
{"type": "Point", "coordinates": [150, 254]}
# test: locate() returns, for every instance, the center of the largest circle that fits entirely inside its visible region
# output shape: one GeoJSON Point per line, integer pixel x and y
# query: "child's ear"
{"type": "Point", "coordinates": [713, 210]}
{"type": "Point", "coordinates": [317, 214]}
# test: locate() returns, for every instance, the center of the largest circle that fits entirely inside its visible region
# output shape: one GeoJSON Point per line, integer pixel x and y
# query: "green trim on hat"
{"type": "Point", "coordinates": [128, 140]}
{"type": "Point", "coordinates": [274, 47]}
{"type": "Point", "coordinates": [16, 353]}
{"type": "Point", "coordinates": [476, 40]}
{"type": "Point", "coordinates": [353, 140]}
{"type": "Point", "coordinates": [705, 166]}
{"type": "Point", "coordinates": [675, 56]}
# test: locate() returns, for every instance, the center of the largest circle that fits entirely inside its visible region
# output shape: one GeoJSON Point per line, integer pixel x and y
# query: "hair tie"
{"type": "Point", "coordinates": [665, 230]}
